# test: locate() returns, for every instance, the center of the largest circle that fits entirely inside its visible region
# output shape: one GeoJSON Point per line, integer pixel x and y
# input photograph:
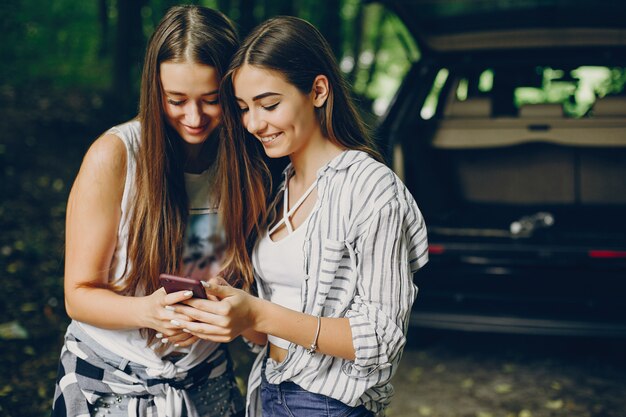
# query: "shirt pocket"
{"type": "Point", "coordinates": [337, 278]}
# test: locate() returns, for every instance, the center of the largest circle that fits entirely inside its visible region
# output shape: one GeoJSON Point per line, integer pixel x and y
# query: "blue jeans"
{"type": "Point", "coordinates": [290, 400]}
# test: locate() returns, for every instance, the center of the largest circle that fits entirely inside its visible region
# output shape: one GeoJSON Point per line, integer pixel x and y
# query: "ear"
{"type": "Point", "coordinates": [320, 90]}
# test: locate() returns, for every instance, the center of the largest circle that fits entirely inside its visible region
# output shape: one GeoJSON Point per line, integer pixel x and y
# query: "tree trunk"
{"type": "Point", "coordinates": [278, 8]}
{"type": "Point", "coordinates": [129, 45]}
{"type": "Point", "coordinates": [103, 17]}
{"type": "Point", "coordinates": [330, 25]}
{"type": "Point", "coordinates": [247, 20]}
{"type": "Point", "coordinates": [224, 6]}
{"type": "Point", "coordinates": [357, 42]}
{"type": "Point", "coordinates": [378, 41]}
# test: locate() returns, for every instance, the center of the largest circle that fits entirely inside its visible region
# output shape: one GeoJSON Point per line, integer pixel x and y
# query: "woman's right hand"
{"type": "Point", "coordinates": [160, 314]}
{"type": "Point", "coordinates": [225, 315]}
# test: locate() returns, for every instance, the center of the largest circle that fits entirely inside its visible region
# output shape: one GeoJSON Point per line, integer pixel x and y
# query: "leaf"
{"type": "Point", "coordinates": [415, 374]}
{"type": "Point", "coordinates": [508, 368]}
{"type": "Point", "coordinates": [425, 410]}
{"type": "Point", "coordinates": [12, 330]}
{"type": "Point", "coordinates": [503, 388]}
{"type": "Point", "coordinates": [467, 383]}
{"type": "Point", "coordinates": [28, 307]}
{"type": "Point", "coordinates": [554, 404]}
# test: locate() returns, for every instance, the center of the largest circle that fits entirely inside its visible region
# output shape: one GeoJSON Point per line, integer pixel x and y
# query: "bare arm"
{"type": "Point", "coordinates": [238, 312]}
{"type": "Point", "coordinates": [92, 222]}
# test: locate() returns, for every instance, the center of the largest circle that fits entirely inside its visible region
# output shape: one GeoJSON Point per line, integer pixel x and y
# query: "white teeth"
{"type": "Point", "coordinates": [269, 139]}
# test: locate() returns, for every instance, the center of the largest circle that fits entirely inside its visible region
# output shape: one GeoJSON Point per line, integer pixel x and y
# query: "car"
{"type": "Point", "coordinates": [510, 132]}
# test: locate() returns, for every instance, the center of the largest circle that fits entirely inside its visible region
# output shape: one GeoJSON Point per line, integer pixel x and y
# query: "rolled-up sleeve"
{"type": "Point", "coordinates": [391, 247]}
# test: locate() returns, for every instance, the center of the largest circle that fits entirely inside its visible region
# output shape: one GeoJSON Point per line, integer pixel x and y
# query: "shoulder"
{"type": "Point", "coordinates": [104, 165]}
{"type": "Point", "coordinates": [375, 190]}
{"type": "Point", "coordinates": [107, 153]}
{"type": "Point", "coordinates": [372, 183]}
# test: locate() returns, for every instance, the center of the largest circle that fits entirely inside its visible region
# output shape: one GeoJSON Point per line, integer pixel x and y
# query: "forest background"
{"type": "Point", "coordinates": [70, 69]}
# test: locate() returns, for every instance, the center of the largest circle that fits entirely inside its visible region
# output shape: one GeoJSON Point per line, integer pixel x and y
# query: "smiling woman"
{"type": "Point", "coordinates": [277, 113]}
{"type": "Point", "coordinates": [146, 202]}
{"type": "Point", "coordinates": [335, 260]}
{"type": "Point", "coordinates": [190, 100]}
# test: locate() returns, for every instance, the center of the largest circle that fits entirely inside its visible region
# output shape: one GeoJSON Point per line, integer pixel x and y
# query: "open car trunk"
{"type": "Point", "coordinates": [525, 211]}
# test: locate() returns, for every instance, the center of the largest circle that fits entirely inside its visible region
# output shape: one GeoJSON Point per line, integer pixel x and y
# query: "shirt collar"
{"type": "Point", "coordinates": [340, 162]}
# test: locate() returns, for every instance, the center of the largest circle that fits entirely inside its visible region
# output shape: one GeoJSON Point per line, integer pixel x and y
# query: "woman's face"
{"type": "Point", "coordinates": [275, 111]}
{"type": "Point", "coordinates": [190, 99]}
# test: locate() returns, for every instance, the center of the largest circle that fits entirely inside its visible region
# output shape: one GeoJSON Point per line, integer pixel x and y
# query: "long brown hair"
{"type": "Point", "coordinates": [159, 204]}
{"type": "Point", "coordinates": [296, 50]}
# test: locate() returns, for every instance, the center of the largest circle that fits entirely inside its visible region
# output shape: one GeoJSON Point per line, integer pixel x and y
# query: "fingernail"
{"type": "Point", "coordinates": [159, 335]}
{"type": "Point", "coordinates": [206, 284]}
{"type": "Point", "coordinates": [176, 345]}
{"type": "Point", "coordinates": [188, 293]}
{"type": "Point", "coordinates": [175, 322]}
{"type": "Point", "coordinates": [170, 308]}
{"type": "Point", "coordinates": [186, 331]}
{"type": "Point", "coordinates": [164, 340]}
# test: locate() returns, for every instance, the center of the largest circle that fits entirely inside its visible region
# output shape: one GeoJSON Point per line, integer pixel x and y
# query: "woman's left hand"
{"type": "Point", "coordinates": [222, 317]}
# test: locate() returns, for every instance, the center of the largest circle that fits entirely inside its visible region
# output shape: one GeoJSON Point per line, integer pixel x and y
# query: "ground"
{"type": "Point", "coordinates": [42, 141]}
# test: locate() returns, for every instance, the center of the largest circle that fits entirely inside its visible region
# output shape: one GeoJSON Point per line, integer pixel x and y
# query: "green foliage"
{"type": "Point", "coordinates": [53, 42]}
{"type": "Point", "coordinates": [66, 44]}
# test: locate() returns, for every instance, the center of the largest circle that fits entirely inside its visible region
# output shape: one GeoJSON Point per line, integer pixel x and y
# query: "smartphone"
{"type": "Point", "coordinates": [173, 283]}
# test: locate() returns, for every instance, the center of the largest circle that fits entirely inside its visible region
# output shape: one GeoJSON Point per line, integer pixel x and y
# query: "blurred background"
{"type": "Point", "coordinates": [70, 70]}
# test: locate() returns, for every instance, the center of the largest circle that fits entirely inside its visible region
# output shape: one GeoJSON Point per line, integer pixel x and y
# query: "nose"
{"type": "Point", "coordinates": [254, 122]}
{"type": "Point", "coordinates": [193, 114]}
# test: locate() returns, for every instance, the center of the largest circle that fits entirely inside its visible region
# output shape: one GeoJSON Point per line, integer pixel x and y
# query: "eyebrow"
{"type": "Point", "coordinates": [261, 96]}
{"type": "Point", "coordinates": [176, 93]}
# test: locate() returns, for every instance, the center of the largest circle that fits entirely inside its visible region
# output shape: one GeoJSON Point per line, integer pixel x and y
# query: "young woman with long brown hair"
{"type": "Point", "coordinates": [147, 201]}
{"type": "Point", "coordinates": [334, 268]}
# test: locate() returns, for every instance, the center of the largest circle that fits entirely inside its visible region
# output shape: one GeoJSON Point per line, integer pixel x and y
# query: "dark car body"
{"type": "Point", "coordinates": [522, 183]}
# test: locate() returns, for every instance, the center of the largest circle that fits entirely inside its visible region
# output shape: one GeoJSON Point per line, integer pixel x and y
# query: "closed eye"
{"type": "Point", "coordinates": [271, 106]}
{"type": "Point", "coordinates": [175, 102]}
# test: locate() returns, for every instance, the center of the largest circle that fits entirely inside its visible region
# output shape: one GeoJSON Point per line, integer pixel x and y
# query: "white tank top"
{"type": "Point", "coordinates": [280, 264]}
{"type": "Point", "coordinates": [201, 256]}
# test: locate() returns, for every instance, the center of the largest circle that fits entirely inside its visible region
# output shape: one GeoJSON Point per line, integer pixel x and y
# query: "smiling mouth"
{"type": "Point", "coordinates": [197, 129]}
{"type": "Point", "coordinates": [269, 139]}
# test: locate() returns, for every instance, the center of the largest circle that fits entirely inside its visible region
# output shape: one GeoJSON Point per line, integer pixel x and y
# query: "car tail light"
{"type": "Point", "coordinates": [607, 254]}
{"type": "Point", "coordinates": [436, 249]}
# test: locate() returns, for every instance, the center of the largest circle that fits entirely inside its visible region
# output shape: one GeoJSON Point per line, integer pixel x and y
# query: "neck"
{"type": "Point", "coordinates": [311, 158]}
{"type": "Point", "coordinates": [198, 158]}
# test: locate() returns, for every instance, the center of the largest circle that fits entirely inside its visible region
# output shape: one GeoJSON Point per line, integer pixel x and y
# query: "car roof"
{"type": "Point", "coordinates": [453, 25]}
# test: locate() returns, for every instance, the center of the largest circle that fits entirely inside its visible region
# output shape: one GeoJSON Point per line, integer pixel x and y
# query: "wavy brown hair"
{"type": "Point", "coordinates": [159, 204]}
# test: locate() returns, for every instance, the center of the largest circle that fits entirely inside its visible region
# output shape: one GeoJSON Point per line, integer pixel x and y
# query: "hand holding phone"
{"type": "Point", "coordinates": [173, 283]}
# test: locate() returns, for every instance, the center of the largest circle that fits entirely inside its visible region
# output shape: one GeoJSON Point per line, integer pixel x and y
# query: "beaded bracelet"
{"type": "Point", "coordinates": [313, 347]}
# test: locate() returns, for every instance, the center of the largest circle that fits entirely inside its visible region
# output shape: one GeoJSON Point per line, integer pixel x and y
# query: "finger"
{"type": "Point", "coordinates": [190, 341]}
{"type": "Point", "coordinates": [207, 332]}
{"type": "Point", "coordinates": [218, 280]}
{"type": "Point", "coordinates": [179, 337]}
{"type": "Point", "coordinates": [202, 316]}
{"type": "Point", "coordinates": [174, 313]}
{"type": "Point", "coordinates": [208, 306]}
{"type": "Point", "coordinates": [177, 297]}
{"type": "Point", "coordinates": [220, 291]}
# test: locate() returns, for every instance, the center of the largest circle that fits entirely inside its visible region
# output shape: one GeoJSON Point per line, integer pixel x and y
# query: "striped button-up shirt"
{"type": "Point", "coordinates": [365, 239]}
